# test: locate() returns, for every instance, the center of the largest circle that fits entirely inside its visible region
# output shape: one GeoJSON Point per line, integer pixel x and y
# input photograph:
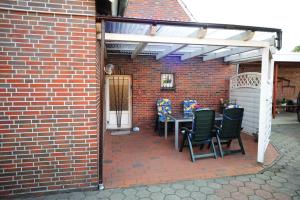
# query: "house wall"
{"type": "Point", "coordinates": [47, 96]}
{"type": "Point", "coordinates": [206, 82]}
{"type": "Point", "coordinates": [156, 9]}
{"type": "Point", "coordinates": [290, 71]}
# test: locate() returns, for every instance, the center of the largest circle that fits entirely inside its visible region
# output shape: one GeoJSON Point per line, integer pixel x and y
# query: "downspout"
{"type": "Point", "coordinates": [101, 105]}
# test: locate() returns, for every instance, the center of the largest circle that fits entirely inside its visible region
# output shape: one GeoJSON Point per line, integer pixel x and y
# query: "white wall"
{"type": "Point", "coordinates": [248, 98]}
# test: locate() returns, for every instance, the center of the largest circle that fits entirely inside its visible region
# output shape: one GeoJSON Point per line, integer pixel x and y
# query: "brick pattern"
{"type": "Point", "coordinates": [289, 71]}
{"type": "Point", "coordinates": [146, 159]}
{"type": "Point", "coordinates": [156, 9]}
{"type": "Point", "coordinates": [206, 82]}
{"type": "Point", "coordinates": [86, 7]}
{"type": "Point", "coordinates": [47, 101]}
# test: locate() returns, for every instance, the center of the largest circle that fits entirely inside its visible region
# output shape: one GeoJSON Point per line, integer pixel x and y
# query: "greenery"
{"type": "Point", "coordinates": [296, 49]}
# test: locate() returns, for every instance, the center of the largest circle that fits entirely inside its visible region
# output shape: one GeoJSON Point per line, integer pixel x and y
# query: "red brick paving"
{"type": "Point", "coordinates": [145, 158]}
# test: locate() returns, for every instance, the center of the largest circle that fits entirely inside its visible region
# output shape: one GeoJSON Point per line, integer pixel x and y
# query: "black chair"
{"type": "Point", "coordinates": [201, 133]}
{"type": "Point", "coordinates": [230, 129]}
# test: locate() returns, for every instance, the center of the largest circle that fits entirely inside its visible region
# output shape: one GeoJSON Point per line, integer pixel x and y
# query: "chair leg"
{"type": "Point", "coordinates": [191, 148]}
{"type": "Point", "coordinates": [183, 142]}
{"type": "Point", "coordinates": [212, 145]}
{"type": "Point", "coordinates": [156, 124]}
{"type": "Point", "coordinates": [159, 128]}
{"type": "Point", "coordinates": [220, 146]}
{"type": "Point", "coordinates": [241, 145]}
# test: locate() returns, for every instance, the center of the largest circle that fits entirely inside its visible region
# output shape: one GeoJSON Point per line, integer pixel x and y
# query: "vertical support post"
{"type": "Point", "coordinates": [176, 134]}
{"type": "Point", "coordinates": [166, 128]}
{"type": "Point", "coordinates": [101, 105]}
{"type": "Point", "coordinates": [265, 94]}
{"type": "Point", "coordinates": [275, 90]}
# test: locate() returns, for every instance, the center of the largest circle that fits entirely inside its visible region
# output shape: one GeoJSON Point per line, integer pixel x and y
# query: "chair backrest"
{"type": "Point", "coordinates": [203, 124]}
{"type": "Point", "coordinates": [164, 106]}
{"type": "Point", "coordinates": [232, 122]}
{"type": "Point", "coordinates": [188, 106]}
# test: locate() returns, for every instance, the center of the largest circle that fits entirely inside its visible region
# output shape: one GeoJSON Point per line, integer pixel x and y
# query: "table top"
{"type": "Point", "coordinates": [187, 118]}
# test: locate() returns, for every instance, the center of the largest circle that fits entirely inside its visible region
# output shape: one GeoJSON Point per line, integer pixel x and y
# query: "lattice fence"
{"type": "Point", "coordinates": [246, 80]}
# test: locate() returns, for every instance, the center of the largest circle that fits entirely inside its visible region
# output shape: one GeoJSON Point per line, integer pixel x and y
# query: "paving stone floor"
{"type": "Point", "coordinates": [281, 181]}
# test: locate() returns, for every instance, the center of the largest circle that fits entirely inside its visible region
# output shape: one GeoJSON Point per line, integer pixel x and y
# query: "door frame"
{"type": "Point", "coordinates": [107, 77]}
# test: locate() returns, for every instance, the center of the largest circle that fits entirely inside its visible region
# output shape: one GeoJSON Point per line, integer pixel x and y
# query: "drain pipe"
{"type": "Point", "coordinates": [100, 29]}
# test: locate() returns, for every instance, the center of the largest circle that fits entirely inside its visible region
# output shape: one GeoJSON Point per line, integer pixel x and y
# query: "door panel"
{"type": "Point", "coordinates": [118, 102]}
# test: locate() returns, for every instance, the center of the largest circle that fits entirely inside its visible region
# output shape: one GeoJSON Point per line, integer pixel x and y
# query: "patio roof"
{"type": "Point", "coordinates": [131, 36]}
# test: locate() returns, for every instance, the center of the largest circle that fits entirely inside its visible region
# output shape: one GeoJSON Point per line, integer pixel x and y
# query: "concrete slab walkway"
{"type": "Point", "coordinates": [281, 181]}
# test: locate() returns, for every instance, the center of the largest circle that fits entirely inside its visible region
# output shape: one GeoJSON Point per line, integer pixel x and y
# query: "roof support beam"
{"type": "Point", "coordinates": [244, 36]}
{"type": "Point", "coordinates": [252, 55]}
{"type": "Point", "coordinates": [227, 53]}
{"type": "Point", "coordinates": [141, 46]}
{"type": "Point", "coordinates": [212, 56]}
{"type": "Point", "coordinates": [198, 34]}
{"type": "Point", "coordinates": [182, 40]}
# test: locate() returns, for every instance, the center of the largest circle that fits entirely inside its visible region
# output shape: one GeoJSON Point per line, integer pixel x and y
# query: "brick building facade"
{"type": "Point", "coordinates": [49, 90]}
{"type": "Point", "coordinates": [47, 96]}
{"type": "Point", "coordinates": [157, 9]}
{"type": "Point", "coordinates": [206, 82]}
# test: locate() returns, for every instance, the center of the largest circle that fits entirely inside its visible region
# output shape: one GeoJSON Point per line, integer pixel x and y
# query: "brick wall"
{"type": "Point", "coordinates": [47, 97]}
{"type": "Point", "coordinates": [287, 70]}
{"type": "Point", "coordinates": [293, 74]}
{"type": "Point", "coordinates": [156, 9]}
{"type": "Point", "coordinates": [206, 82]}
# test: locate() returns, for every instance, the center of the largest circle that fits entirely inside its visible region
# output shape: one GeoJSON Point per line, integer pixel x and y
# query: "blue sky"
{"type": "Point", "coordinates": [266, 13]}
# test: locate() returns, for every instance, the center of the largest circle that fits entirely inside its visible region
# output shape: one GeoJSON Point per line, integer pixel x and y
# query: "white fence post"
{"type": "Point", "coordinates": [265, 112]}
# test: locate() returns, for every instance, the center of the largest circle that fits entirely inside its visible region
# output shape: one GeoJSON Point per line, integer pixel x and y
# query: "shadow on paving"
{"type": "Point", "coordinates": [281, 181]}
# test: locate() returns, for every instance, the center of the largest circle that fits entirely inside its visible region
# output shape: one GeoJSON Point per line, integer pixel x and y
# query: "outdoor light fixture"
{"type": "Point", "coordinates": [109, 69]}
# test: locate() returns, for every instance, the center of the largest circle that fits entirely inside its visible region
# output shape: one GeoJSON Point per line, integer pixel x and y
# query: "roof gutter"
{"type": "Point", "coordinates": [195, 24]}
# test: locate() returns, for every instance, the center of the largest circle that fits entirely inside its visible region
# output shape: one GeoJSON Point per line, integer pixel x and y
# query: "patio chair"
{"type": "Point", "coordinates": [188, 106]}
{"type": "Point", "coordinates": [201, 133]}
{"type": "Point", "coordinates": [164, 106]}
{"type": "Point", "coordinates": [230, 129]}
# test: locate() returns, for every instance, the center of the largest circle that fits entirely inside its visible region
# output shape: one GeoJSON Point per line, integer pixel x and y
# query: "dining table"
{"type": "Point", "coordinates": [179, 118]}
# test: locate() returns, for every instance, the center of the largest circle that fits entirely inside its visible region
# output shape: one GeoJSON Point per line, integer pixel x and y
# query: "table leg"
{"type": "Point", "coordinates": [176, 134]}
{"type": "Point", "coordinates": [166, 129]}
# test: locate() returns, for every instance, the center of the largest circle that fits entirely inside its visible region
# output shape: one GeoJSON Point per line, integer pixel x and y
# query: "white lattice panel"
{"type": "Point", "coordinates": [246, 80]}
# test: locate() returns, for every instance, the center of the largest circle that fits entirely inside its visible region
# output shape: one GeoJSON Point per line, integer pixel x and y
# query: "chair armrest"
{"type": "Point", "coordinates": [185, 130]}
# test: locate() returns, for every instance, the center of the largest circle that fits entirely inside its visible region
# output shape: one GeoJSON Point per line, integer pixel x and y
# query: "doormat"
{"type": "Point", "coordinates": [127, 132]}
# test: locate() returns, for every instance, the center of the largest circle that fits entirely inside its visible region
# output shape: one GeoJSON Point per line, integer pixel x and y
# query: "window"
{"type": "Point", "coordinates": [167, 81]}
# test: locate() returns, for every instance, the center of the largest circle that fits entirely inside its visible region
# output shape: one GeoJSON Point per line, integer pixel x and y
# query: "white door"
{"type": "Point", "coordinates": [265, 109]}
{"type": "Point", "coordinates": [118, 102]}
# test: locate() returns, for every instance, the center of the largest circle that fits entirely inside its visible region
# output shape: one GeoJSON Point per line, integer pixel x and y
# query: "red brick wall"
{"type": "Point", "coordinates": [156, 9]}
{"type": "Point", "coordinates": [249, 68]}
{"type": "Point", "coordinates": [206, 82]}
{"type": "Point", "coordinates": [47, 97]}
{"type": "Point", "coordinates": [290, 71]}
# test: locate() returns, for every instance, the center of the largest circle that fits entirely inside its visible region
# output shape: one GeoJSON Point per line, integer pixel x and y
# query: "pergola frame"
{"type": "Point", "coordinates": [241, 43]}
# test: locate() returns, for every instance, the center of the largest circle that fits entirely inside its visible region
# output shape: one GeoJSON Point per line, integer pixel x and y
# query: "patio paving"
{"type": "Point", "coordinates": [280, 181]}
{"type": "Point", "coordinates": [145, 158]}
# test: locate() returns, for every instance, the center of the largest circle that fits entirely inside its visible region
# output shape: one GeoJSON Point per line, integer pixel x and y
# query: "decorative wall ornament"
{"type": "Point", "coordinates": [167, 81]}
